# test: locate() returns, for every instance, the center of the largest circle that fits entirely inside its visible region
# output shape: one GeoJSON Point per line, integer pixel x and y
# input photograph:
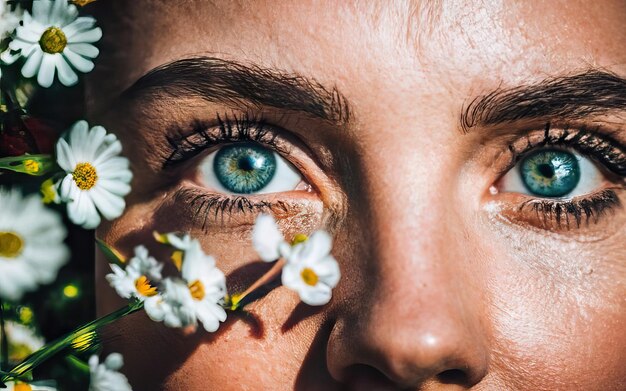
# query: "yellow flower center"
{"type": "Point", "coordinates": [32, 166]}
{"type": "Point", "coordinates": [144, 288]}
{"type": "Point", "coordinates": [299, 238]}
{"type": "Point", "coordinates": [53, 40]}
{"type": "Point", "coordinates": [48, 191]}
{"type": "Point", "coordinates": [85, 176]}
{"type": "Point", "coordinates": [197, 290]}
{"type": "Point", "coordinates": [11, 245]}
{"type": "Point", "coordinates": [22, 387]}
{"type": "Point", "coordinates": [309, 277]}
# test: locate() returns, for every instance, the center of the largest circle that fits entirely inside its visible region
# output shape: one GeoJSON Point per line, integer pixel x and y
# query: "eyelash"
{"type": "Point", "coordinates": [238, 129]}
{"type": "Point", "coordinates": [608, 152]}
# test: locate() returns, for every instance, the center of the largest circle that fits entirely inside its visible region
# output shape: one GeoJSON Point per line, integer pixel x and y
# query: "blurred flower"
{"type": "Point", "coordinates": [21, 386]}
{"type": "Point", "coordinates": [31, 244]}
{"type": "Point", "coordinates": [106, 376]}
{"type": "Point", "coordinates": [23, 341]}
{"type": "Point", "coordinates": [140, 277]}
{"type": "Point", "coordinates": [311, 270]}
{"type": "Point", "coordinates": [267, 239]}
{"type": "Point", "coordinates": [8, 19]}
{"type": "Point", "coordinates": [51, 40]}
{"type": "Point", "coordinates": [96, 176]}
{"type": "Point", "coordinates": [197, 296]}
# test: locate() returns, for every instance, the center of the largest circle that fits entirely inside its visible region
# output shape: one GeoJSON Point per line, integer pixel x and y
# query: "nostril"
{"type": "Point", "coordinates": [453, 376]}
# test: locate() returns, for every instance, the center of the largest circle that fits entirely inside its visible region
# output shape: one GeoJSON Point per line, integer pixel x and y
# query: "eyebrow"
{"type": "Point", "coordinates": [219, 80]}
{"type": "Point", "coordinates": [593, 92]}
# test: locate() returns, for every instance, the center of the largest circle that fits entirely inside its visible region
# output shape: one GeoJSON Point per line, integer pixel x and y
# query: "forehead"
{"type": "Point", "coordinates": [453, 46]}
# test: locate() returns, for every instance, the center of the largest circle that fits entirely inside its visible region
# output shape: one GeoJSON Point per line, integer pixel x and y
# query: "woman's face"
{"type": "Point", "coordinates": [469, 158]}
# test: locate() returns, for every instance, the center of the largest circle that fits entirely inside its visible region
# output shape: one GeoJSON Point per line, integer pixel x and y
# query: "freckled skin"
{"type": "Point", "coordinates": [442, 287]}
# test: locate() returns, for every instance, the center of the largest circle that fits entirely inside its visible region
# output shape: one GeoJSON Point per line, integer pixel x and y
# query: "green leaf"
{"type": "Point", "coordinates": [111, 253]}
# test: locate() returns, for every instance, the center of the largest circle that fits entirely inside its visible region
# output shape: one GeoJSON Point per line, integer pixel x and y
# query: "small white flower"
{"type": "Point", "coordinates": [21, 386]}
{"type": "Point", "coordinates": [197, 296]}
{"type": "Point", "coordinates": [106, 376]}
{"type": "Point", "coordinates": [140, 277]}
{"type": "Point", "coordinates": [97, 177]}
{"type": "Point", "coordinates": [311, 270]}
{"type": "Point", "coordinates": [267, 239]}
{"type": "Point", "coordinates": [31, 244]}
{"type": "Point", "coordinates": [51, 40]}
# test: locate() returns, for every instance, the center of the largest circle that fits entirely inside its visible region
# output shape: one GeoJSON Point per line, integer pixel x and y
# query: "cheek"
{"type": "Point", "coordinates": [558, 312]}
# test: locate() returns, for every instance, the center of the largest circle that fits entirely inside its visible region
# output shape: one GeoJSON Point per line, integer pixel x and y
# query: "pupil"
{"type": "Point", "coordinates": [246, 163]}
{"type": "Point", "coordinates": [546, 170]}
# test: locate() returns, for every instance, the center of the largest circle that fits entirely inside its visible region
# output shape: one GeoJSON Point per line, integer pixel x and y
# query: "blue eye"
{"type": "Point", "coordinates": [244, 168]}
{"type": "Point", "coordinates": [553, 173]}
{"type": "Point", "coordinates": [550, 173]}
{"type": "Point", "coordinates": [248, 168]}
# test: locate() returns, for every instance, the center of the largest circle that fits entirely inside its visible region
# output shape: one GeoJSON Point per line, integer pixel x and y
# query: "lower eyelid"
{"type": "Point", "coordinates": [201, 208]}
{"type": "Point", "coordinates": [586, 213]}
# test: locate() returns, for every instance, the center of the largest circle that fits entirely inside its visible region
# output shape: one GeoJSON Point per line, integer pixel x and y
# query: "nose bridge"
{"type": "Point", "coordinates": [419, 318]}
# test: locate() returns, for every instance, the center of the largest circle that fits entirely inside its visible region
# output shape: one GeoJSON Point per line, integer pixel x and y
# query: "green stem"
{"type": "Point", "coordinates": [52, 348]}
{"type": "Point", "coordinates": [4, 341]}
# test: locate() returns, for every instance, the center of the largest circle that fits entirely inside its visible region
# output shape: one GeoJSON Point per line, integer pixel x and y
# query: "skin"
{"type": "Point", "coordinates": [445, 284]}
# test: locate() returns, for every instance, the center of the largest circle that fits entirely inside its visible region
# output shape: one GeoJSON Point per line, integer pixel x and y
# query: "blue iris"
{"type": "Point", "coordinates": [244, 168]}
{"type": "Point", "coordinates": [550, 173]}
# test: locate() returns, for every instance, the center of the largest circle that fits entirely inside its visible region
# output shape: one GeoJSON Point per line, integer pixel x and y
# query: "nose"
{"type": "Point", "coordinates": [417, 321]}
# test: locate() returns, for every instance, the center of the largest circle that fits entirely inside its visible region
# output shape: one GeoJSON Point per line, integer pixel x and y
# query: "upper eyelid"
{"type": "Point", "coordinates": [578, 138]}
{"type": "Point", "coordinates": [207, 135]}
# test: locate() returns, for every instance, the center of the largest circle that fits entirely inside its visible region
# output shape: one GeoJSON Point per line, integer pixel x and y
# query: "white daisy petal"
{"type": "Point", "coordinates": [31, 66]}
{"type": "Point", "coordinates": [45, 77]}
{"type": "Point", "coordinates": [41, 10]}
{"type": "Point", "coordinates": [110, 205]}
{"type": "Point", "coordinates": [267, 238]}
{"type": "Point", "coordinates": [319, 296]}
{"type": "Point", "coordinates": [80, 24]}
{"type": "Point", "coordinates": [65, 156]}
{"type": "Point", "coordinates": [67, 76]}
{"type": "Point", "coordinates": [114, 187]}
{"type": "Point", "coordinates": [79, 62]}
{"type": "Point", "coordinates": [84, 49]}
{"type": "Point", "coordinates": [88, 36]}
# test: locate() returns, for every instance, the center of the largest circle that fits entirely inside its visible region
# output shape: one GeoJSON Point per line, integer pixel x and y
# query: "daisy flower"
{"type": "Point", "coordinates": [197, 296]}
{"type": "Point", "coordinates": [54, 39]}
{"type": "Point", "coordinates": [105, 376]}
{"type": "Point", "coordinates": [31, 244]}
{"type": "Point", "coordinates": [96, 179]}
{"type": "Point", "coordinates": [140, 277]}
{"type": "Point", "coordinates": [311, 271]}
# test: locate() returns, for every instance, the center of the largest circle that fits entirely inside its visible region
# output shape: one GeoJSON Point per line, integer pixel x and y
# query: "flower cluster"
{"type": "Point", "coordinates": [199, 293]}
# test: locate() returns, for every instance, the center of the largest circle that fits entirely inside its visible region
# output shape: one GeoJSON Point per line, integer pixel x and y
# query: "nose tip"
{"type": "Point", "coordinates": [440, 358]}
{"type": "Point", "coordinates": [434, 358]}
